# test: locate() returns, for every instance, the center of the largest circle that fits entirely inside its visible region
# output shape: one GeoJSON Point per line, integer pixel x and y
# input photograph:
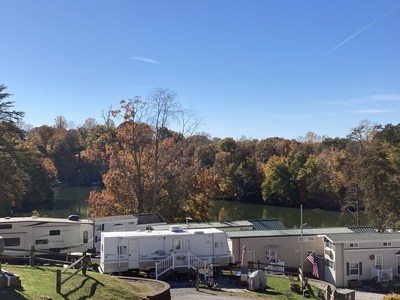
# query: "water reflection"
{"type": "Point", "coordinates": [289, 216]}
{"type": "Point", "coordinates": [72, 200]}
{"type": "Point", "coordinates": [67, 201]}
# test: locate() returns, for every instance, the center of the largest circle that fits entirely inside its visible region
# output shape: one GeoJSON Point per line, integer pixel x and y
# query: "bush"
{"type": "Point", "coordinates": [294, 287]}
{"type": "Point", "coordinates": [392, 297]}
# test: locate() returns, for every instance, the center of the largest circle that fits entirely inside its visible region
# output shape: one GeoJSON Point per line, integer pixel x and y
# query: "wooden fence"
{"type": "Point", "coordinates": [84, 261]}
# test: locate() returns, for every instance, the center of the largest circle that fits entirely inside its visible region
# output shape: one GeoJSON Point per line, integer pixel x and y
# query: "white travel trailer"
{"type": "Point", "coordinates": [49, 236]}
{"type": "Point", "coordinates": [123, 223]}
{"type": "Point", "coordinates": [157, 252]}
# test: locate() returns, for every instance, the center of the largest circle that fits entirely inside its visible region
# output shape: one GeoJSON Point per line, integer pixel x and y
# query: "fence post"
{"type": "Point", "coordinates": [85, 263]}
{"type": "Point", "coordinates": [197, 279]}
{"type": "Point", "coordinates": [58, 282]}
{"type": "Point", "coordinates": [32, 256]}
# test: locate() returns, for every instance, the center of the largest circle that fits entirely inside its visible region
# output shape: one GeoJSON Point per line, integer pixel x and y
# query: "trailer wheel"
{"type": "Point", "coordinates": [151, 274]}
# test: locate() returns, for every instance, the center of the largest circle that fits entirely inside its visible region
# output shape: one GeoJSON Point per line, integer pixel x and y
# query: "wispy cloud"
{"type": "Point", "coordinates": [371, 111]}
{"type": "Point", "coordinates": [386, 97]}
{"type": "Point", "coordinates": [146, 60]}
{"type": "Point", "coordinates": [366, 27]}
{"type": "Point", "coordinates": [365, 99]}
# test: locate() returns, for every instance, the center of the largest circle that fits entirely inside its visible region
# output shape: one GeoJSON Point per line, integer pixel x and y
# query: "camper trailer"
{"type": "Point", "coordinates": [123, 223]}
{"type": "Point", "coordinates": [49, 236]}
{"type": "Point", "coordinates": [156, 252]}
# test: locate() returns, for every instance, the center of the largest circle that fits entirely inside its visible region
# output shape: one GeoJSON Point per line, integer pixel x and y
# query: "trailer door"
{"type": "Point", "coordinates": [133, 250]}
{"type": "Point", "coordinates": [178, 246]}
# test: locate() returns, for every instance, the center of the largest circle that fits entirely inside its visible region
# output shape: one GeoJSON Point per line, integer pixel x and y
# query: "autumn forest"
{"type": "Point", "coordinates": [155, 160]}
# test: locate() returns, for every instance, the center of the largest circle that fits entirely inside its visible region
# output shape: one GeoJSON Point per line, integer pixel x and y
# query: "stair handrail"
{"type": "Point", "coordinates": [165, 265]}
{"type": "Point", "coordinates": [179, 260]}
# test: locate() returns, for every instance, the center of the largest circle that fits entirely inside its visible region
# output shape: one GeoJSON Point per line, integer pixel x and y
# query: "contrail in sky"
{"type": "Point", "coordinates": [348, 39]}
{"type": "Point", "coordinates": [145, 59]}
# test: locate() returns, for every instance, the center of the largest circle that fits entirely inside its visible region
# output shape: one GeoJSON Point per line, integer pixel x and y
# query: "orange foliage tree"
{"type": "Point", "coordinates": [148, 167]}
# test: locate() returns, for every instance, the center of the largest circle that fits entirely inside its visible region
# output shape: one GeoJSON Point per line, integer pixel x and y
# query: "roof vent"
{"type": "Point", "coordinates": [73, 218]}
{"type": "Point", "coordinates": [176, 228]}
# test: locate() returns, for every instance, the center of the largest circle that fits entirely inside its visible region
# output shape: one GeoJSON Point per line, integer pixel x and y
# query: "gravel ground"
{"type": "Point", "coordinates": [230, 290]}
{"type": "Point", "coordinates": [187, 290]}
{"type": "Point", "coordinates": [181, 290]}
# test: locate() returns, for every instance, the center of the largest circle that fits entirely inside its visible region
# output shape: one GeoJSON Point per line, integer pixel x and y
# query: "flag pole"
{"type": "Point", "coordinates": [313, 252]}
{"type": "Point", "coordinates": [301, 247]}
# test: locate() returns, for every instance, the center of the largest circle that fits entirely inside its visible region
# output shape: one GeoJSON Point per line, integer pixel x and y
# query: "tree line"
{"type": "Point", "coordinates": [145, 166]}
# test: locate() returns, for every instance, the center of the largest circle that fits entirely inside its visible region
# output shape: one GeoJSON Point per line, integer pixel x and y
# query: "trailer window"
{"type": "Point", "coordinates": [55, 232]}
{"type": "Point", "coordinates": [41, 242]}
{"type": "Point", "coordinates": [177, 244]}
{"type": "Point", "coordinates": [5, 226]}
{"type": "Point", "coordinates": [98, 228]}
{"type": "Point", "coordinates": [85, 237]}
{"type": "Point", "coordinates": [187, 245]}
{"type": "Point", "coordinates": [10, 242]}
{"type": "Point", "coordinates": [122, 250]}
{"type": "Point", "coordinates": [354, 268]}
{"type": "Point", "coordinates": [218, 244]}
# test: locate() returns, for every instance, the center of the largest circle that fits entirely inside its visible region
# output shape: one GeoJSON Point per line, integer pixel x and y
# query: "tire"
{"type": "Point", "coordinates": [151, 274]}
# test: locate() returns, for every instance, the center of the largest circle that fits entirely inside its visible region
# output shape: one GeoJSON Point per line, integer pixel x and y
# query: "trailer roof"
{"type": "Point", "coordinates": [287, 232]}
{"type": "Point", "coordinates": [145, 218]}
{"type": "Point", "coordinates": [115, 218]}
{"type": "Point", "coordinates": [363, 237]}
{"type": "Point", "coordinates": [201, 225]}
{"type": "Point", "coordinates": [160, 232]}
{"type": "Point", "coordinates": [42, 220]}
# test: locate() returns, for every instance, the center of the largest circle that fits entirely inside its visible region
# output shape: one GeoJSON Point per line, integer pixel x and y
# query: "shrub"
{"type": "Point", "coordinates": [392, 297]}
{"type": "Point", "coordinates": [294, 287]}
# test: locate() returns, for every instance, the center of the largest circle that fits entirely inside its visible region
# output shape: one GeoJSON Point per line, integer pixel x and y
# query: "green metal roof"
{"type": "Point", "coordinates": [288, 232]}
{"type": "Point", "coordinates": [363, 237]}
{"type": "Point", "coordinates": [268, 224]}
{"type": "Point", "coordinates": [363, 229]}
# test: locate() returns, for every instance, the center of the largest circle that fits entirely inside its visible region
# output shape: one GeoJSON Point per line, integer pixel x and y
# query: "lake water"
{"type": "Point", "coordinates": [290, 217]}
{"type": "Point", "coordinates": [72, 201]}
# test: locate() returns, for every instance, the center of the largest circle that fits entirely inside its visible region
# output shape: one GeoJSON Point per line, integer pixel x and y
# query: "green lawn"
{"type": "Point", "coordinates": [278, 288]}
{"type": "Point", "coordinates": [40, 283]}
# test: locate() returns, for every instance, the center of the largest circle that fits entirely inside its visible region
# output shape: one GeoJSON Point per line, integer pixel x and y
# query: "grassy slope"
{"type": "Point", "coordinates": [40, 283]}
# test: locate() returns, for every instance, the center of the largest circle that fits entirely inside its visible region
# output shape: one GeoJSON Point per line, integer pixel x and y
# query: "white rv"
{"type": "Point", "coordinates": [123, 223]}
{"type": "Point", "coordinates": [52, 236]}
{"type": "Point", "coordinates": [145, 251]}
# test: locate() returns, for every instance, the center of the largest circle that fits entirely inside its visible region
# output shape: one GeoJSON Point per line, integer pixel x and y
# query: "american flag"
{"type": "Point", "coordinates": [311, 259]}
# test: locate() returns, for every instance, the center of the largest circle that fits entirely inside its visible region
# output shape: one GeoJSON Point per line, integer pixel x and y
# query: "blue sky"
{"type": "Point", "coordinates": [248, 68]}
